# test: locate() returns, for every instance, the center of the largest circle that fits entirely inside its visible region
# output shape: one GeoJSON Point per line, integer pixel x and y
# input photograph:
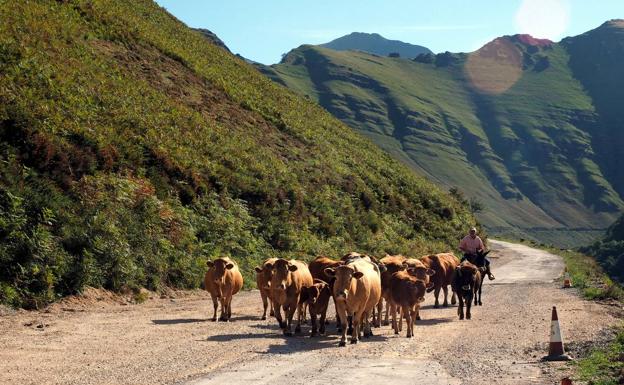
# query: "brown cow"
{"type": "Point", "coordinates": [289, 279]}
{"type": "Point", "coordinates": [444, 265]}
{"type": "Point", "coordinates": [357, 290]}
{"type": "Point", "coordinates": [317, 269]}
{"type": "Point", "coordinates": [222, 281]}
{"type": "Point", "coordinates": [419, 270]}
{"type": "Point", "coordinates": [407, 292]}
{"type": "Point", "coordinates": [263, 282]}
{"type": "Point", "coordinates": [393, 263]}
{"type": "Point", "coordinates": [466, 281]}
{"type": "Point", "coordinates": [317, 297]}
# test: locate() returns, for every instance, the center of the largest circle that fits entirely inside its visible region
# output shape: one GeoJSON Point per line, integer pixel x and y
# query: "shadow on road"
{"type": "Point", "coordinates": [435, 321]}
{"type": "Point", "coordinates": [177, 321]}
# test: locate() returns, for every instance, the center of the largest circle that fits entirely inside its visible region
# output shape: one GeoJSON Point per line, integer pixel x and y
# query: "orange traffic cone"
{"type": "Point", "coordinates": [556, 351]}
{"type": "Point", "coordinates": [567, 281]}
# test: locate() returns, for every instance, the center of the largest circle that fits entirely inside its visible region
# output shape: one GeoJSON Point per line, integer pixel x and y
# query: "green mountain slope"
{"type": "Point", "coordinates": [132, 149]}
{"type": "Point", "coordinates": [375, 44]}
{"type": "Point", "coordinates": [525, 126]}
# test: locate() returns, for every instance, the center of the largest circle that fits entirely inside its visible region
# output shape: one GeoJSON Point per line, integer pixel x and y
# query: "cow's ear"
{"type": "Point", "coordinates": [486, 253]}
{"type": "Point", "coordinates": [410, 270]}
{"type": "Point", "coordinates": [258, 269]}
{"type": "Point", "coordinates": [330, 271]}
{"type": "Point", "coordinates": [458, 270]}
{"type": "Point", "coordinates": [430, 272]}
{"type": "Point", "coordinates": [229, 266]}
{"type": "Point", "coordinates": [292, 267]}
{"type": "Point", "coordinates": [429, 285]}
{"type": "Point", "coordinates": [421, 299]}
{"type": "Point", "coordinates": [209, 263]}
{"type": "Point", "coordinates": [358, 275]}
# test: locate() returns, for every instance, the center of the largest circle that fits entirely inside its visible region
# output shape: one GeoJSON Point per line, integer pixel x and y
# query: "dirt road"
{"type": "Point", "coordinates": [98, 339]}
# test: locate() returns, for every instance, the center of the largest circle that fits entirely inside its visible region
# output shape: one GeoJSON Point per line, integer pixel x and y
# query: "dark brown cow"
{"type": "Point", "coordinates": [465, 282]}
{"type": "Point", "coordinates": [417, 269]}
{"type": "Point", "coordinates": [264, 274]}
{"type": "Point", "coordinates": [393, 264]}
{"type": "Point", "coordinates": [222, 281]}
{"type": "Point", "coordinates": [444, 265]}
{"type": "Point", "coordinates": [407, 293]}
{"type": "Point", "coordinates": [289, 279]}
{"type": "Point", "coordinates": [317, 269]}
{"type": "Point", "coordinates": [317, 297]}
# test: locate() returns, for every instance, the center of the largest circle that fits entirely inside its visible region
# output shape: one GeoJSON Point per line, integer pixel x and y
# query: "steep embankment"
{"type": "Point", "coordinates": [132, 149]}
{"type": "Point", "coordinates": [530, 128]}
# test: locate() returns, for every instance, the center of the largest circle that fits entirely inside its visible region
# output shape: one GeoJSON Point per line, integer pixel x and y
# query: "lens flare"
{"type": "Point", "coordinates": [495, 67]}
{"type": "Point", "coordinates": [543, 18]}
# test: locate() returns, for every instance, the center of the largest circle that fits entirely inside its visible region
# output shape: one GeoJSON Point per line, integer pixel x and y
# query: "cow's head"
{"type": "Point", "coordinates": [422, 273]}
{"type": "Point", "coordinates": [281, 274]}
{"type": "Point", "coordinates": [219, 267]}
{"type": "Point", "coordinates": [344, 275]}
{"type": "Point", "coordinates": [313, 293]}
{"type": "Point", "coordinates": [466, 276]}
{"type": "Point", "coordinates": [266, 271]}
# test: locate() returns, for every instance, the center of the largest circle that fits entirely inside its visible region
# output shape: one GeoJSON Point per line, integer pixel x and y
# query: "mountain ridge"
{"type": "Point", "coordinates": [514, 124]}
{"type": "Point", "coordinates": [376, 44]}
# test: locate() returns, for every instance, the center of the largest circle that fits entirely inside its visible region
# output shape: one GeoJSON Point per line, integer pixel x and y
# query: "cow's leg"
{"type": "Point", "coordinates": [265, 303]}
{"type": "Point", "coordinates": [322, 321]}
{"type": "Point", "coordinates": [215, 305]}
{"type": "Point", "coordinates": [342, 317]}
{"type": "Point", "coordinates": [386, 320]}
{"type": "Point", "coordinates": [436, 293]}
{"type": "Point", "coordinates": [460, 307]}
{"type": "Point", "coordinates": [400, 309]}
{"type": "Point", "coordinates": [271, 307]}
{"type": "Point", "coordinates": [314, 331]}
{"type": "Point", "coordinates": [379, 312]}
{"type": "Point", "coordinates": [228, 308]}
{"type": "Point", "coordinates": [368, 327]}
{"type": "Point", "coordinates": [350, 321]}
{"type": "Point", "coordinates": [395, 326]}
{"type": "Point", "coordinates": [468, 305]}
{"type": "Point", "coordinates": [453, 297]}
{"type": "Point", "coordinates": [445, 290]}
{"type": "Point", "coordinates": [357, 324]}
{"type": "Point", "coordinates": [290, 313]}
{"type": "Point", "coordinates": [416, 316]}
{"type": "Point", "coordinates": [301, 308]}
{"type": "Point", "coordinates": [408, 319]}
{"type": "Point", "coordinates": [223, 316]}
{"type": "Point", "coordinates": [278, 315]}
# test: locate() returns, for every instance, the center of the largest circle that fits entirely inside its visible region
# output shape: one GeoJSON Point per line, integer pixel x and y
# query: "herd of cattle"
{"type": "Point", "coordinates": [359, 285]}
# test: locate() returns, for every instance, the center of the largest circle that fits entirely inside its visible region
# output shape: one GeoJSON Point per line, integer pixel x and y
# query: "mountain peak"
{"type": "Point", "coordinates": [376, 44]}
{"type": "Point", "coordinates": [614, 23]}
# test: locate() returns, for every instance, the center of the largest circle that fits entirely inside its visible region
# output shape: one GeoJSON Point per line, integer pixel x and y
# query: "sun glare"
{"type": "Point", "coordinates": [543, 18]}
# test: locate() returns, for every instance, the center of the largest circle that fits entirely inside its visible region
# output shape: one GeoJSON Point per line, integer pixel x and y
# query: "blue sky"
{"type": "Point", "coordinates": [263, 30]}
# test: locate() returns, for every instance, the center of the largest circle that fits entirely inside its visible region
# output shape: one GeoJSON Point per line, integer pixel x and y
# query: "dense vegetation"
{"type": "Point", "coordinates": [609, 251]}
{"type": "Point", "coordinates": [530, 128]}
{"type": "Point", "coordinates": [132, 149]}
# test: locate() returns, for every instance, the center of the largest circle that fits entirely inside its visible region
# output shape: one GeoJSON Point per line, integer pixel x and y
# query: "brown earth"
{"type": "Point", "coordinates": [102, 338]}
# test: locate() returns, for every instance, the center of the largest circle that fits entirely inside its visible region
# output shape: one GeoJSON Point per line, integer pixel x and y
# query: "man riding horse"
{"type": "Point", "coordinates": [472, 247]}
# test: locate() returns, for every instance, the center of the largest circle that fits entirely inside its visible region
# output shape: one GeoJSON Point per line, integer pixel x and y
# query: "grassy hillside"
{"type": "Point", "coordinates": [518, 125]}
{"type": "Point", "coordinates": [132, 149]}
